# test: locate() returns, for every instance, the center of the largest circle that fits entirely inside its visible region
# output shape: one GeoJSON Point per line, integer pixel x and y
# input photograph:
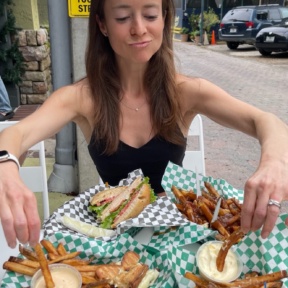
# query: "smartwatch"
{"type": "Point", "coordinates": [6, 156]}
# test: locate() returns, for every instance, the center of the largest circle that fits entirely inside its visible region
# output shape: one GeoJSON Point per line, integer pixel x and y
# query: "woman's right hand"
{"type": "Point", "coordinates": [18, 208]}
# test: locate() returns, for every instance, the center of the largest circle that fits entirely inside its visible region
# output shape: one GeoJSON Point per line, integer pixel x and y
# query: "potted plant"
{"type": "Point", "coordinates": [184, 34]}
{"type": "Point", "coordinates": [195, 28]}
{"type": "Point", "coordinates": [210, 19]}
{"type": "Point", "coordinates": [195, 36]}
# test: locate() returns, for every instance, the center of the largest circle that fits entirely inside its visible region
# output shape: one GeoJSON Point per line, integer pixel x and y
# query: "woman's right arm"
{"type": "Point", "coordinates": [18, 205]}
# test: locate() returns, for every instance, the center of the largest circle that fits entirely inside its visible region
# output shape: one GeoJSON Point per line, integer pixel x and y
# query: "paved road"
{"type": "Point", "coordinates": [260, 81]}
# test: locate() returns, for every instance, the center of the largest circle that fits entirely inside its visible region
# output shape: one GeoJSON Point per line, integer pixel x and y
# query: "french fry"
{"type": "Point", "coordinates": [75, 262]}
{"type": "Point", "coordinates": [91, 274]}
{"type": "Point", "coordinates": [211, 189]}
{"type": "Point", "coordinates": [227, 244]}
{"type": "Point", "coordinates": [29, 254]}
{"type": "Point", "coordinates": [19, 268]}
{"type": "Point", "coordinates": [86, 279]}
{"type": "Point", "coordinates": [259, 280]}
{"type": "Point", "coordinates": [26, 262]}
{"type": "Point", "coordinates": [52, 256]}
{"type": "Point", "coordinates": [197, 280]}
{"type": "Point", "coordinates": [61, 249]}
{"type": "Point", "coordinates": [99, 284]}
{"type": "Point", "coordinates": [49, 247]}
{"type": "Point", "coordinates": [65, 257]}
{"type": "Point", "coordinates": [44, 266]}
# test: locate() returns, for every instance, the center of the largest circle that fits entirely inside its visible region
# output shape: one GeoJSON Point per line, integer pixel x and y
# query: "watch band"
{"type": "Point", "coordinates": [8, 157]}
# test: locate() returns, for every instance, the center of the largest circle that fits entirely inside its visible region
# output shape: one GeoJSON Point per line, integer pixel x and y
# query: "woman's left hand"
{"type": "Point", "coordinates": [269, 182]}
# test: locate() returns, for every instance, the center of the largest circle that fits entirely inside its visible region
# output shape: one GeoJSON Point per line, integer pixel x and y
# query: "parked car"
{"type": "Point", "coordinates": [241, 24]}
{"type": "Point", "coordinates": [273, 39]}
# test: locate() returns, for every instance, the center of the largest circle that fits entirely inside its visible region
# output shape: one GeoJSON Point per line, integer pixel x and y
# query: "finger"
{"type": "Point", "coordinates": [7, 223]}
{"type": "Point", "coordinates": [8, 229]}
{"type": "Point", "coordinates": [260, 210]}
{"type": "Point", "coordinates": [33, 220]}
{"type": "Point", "coordinates": [248, 207]}
{"type": "Point", "coordinates": [20, 223]}
{"type": "Point", "coordinates": [23, 211]}
{"type": "Point", "coordinates": [271, 218]}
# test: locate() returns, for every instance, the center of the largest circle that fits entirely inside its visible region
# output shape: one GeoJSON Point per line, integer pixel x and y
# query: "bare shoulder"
{"type": "Point", "coordinates": [75, 98]}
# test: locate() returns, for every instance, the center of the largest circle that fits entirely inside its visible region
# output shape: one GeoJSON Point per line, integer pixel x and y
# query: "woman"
{"type": "Point", "coordinates": [133, 99]}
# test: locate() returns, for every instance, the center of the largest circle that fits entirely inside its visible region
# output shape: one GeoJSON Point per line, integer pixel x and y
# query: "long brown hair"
{"type": "Point", "coordinates": [104, 81]}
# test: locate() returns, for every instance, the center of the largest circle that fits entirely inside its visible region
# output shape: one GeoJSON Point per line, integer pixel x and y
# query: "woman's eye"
{"type": "Point", "coordinates": [150, 17]}
{"type": "Point", "coordinates": [122, 19]}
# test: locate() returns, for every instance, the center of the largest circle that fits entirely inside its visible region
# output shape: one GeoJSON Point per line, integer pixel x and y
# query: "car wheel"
{"type": "Point", "coordinates": [232, 45]}
{"type": "Point", "coordinates": [264, 52]}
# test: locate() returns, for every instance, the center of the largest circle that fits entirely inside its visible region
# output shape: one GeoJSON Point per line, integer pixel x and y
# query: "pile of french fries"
{"type": "Point", "coordinates": [93, 275]}
{"type": "Point", "coordinates": [250, 280]}
{"type": "Point", "coordinates": [200, 209]}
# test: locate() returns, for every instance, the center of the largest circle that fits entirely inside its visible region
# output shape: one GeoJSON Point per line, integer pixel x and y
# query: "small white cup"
{"type": "Point", "coordinates": [206, 262]}
{"type": "Point", "coordinates": [71, 276]}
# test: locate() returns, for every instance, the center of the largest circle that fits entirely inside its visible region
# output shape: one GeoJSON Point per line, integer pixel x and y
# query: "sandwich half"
{"type": "Point", "coordinates": [115, 205]}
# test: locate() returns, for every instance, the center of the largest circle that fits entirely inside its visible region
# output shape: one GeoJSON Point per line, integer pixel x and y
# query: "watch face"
{"type": "Point", "coordinates": [3, 153]}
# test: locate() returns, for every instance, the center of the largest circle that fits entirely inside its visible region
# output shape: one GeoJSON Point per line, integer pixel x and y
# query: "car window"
{"type": "Point", "coordinates": [262, 15]}
{"type": "Point", "coordinates": [238, 14]}
{"type": "Point", "coordinates": [274, 14]}
{"type": "Point", "coordinates": [284, 12]}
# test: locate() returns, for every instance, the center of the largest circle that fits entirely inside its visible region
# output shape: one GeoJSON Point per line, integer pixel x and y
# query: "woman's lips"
{"type": "Point", "coordinates": [140, 44]}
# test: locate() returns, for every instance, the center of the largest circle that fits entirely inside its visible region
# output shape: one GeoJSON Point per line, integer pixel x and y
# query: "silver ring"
{"type": "Point", "coordinates": [274, 202]}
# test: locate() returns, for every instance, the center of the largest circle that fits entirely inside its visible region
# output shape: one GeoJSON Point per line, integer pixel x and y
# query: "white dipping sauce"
{"type": "Point", "coordinates": [62, 278]}
{"type": "Point", "coordinates": [206, 262]}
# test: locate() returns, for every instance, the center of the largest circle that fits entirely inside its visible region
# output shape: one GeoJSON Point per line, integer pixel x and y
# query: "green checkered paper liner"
{"type": "Point", "coordinates": [264, 256]}
{"type": "Point", "coordinates": [261, 255]}
{"type": "Point", "coordinates": [104, 252]}
{"type": "Point", "coordinates": [190, 232]}
{"type": "Point", "coordinates": [186, 179]}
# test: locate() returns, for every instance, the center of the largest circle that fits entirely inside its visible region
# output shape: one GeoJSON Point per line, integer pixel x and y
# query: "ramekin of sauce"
{"type": "Point", "coordinates": [206, 262]}
{"type": "Point", "coordinates": [63, 275]}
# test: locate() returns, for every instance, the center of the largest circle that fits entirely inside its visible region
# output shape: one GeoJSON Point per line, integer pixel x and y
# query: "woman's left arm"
{"type": "Point", "coordinates": [270, 180]}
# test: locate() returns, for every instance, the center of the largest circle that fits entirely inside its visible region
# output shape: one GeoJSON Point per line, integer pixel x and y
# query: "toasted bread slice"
{"type": "Point", "coordinates": [107, 195]}
{"type": "Point", "coordinates": [121, 197]}
{"type": "Point", "coordinates": [135, 206]}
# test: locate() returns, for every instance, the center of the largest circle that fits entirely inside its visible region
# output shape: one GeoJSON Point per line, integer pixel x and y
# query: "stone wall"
{"type": "Point", "coordinates": [36, 85]}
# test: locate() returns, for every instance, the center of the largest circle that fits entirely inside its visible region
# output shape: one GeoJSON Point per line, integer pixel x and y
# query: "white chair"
{"type": "Point", "coordinates": [195, 159]}
{"type": "Point", "coordinates": [35, 178]}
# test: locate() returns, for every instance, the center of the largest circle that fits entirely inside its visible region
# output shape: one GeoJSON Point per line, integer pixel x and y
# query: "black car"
{"type": "Point", "coordinates": [273, 39]}
{"type": "Point", "coordinates": [241, 24]}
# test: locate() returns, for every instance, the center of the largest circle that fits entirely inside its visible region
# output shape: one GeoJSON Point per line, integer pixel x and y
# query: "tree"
{"type": "Point", "coordinates": [11, 59]}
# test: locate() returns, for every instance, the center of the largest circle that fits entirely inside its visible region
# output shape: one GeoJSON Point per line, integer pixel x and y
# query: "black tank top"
{"type": "Point", "coordinates": [152, 158]}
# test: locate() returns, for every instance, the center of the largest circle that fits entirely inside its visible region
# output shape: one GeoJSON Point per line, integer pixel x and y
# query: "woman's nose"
{"type": "Point", "coordinates": [138, 26]}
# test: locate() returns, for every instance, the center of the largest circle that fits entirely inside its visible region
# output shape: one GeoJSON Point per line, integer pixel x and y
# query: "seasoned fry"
{"type": "Point", "coordinates": [49, 247]}
{"type": "Point", "coordinates": [197, 280]}
{"type": "Point", "coordinates": [76, 262]}
{"type": "Point", "coordinates": [86, 279]}
{"type": "Point", "coordinates": [29, 254]}
{"type": "Point", "coordinates": [19, 268]}
{"type": "Point", "coordinates": [252, 280]}
{"type": "Point", "coordinates": [61, 249]}
{"type": "Point", "coordinates": [26, 262]}
{"type": "Point", "coordinates": [259, 280]}
{"type": "Point", "coordinates": [65, 257]}
{"type": "Point", "coordinates": [44, 266]}
{"type": "Point", "coordinates": [227, 244]}
{"type": "Point", "coordinates": [200, 209]}
{"type": "Point", "coordinates": [99, 284]}
{"type": "Point", "coordinates": [211, 189]}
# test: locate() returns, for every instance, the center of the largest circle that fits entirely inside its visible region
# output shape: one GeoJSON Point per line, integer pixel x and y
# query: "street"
{"type": "Point", "coordinates": [248, 76]}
